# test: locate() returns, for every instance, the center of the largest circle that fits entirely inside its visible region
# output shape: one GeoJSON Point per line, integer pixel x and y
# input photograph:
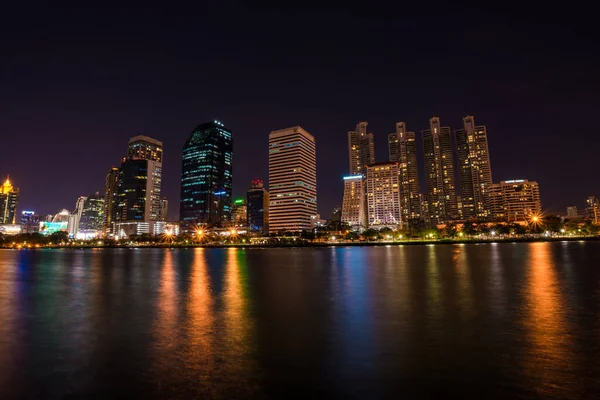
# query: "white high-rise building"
{"type": "Point", "coordinates": [353, 205]}
{"type": "Point", "coordinates": [383, 195]}
{"type": "Point", "coordinates": [75, 216]}
{"type": "Point", "coordinates": [292, 180]}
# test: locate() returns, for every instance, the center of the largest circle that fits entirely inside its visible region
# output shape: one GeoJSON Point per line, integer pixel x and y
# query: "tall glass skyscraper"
{"type": "Point", "coordinates": [133, 191]}
{"type": "Point", "coordinates": [206, 177]}
{"type": "Point", "coordinates": [91, 214]}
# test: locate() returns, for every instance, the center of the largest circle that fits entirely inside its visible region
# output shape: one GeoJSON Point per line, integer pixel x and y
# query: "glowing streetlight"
{"type": "Point", "coordinates": [168, 235]}
{"type": "Point", "coordinates": [493, 233]}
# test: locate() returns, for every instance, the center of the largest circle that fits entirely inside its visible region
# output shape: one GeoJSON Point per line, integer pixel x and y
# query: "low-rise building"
{"type": "Point", "coordinates": [515, 200]}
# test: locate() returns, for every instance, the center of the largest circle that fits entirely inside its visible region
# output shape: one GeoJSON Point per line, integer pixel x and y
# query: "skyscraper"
{"type": "Point", "coordinates": [135, 184]}
{"type": "Point", "coordinates": [145, 148]}
{"type": "Point", "coordinates": [164, 209]}
{"type": "Point", "coordinates": [394, 146]}
{"type": "Point", "coordinates": [9, 197]}
{"type": "Point", "coordinates": [361, 149]}
{"type": "Point", "coordinates": [354, 203]}
{"type": "Point", "coordinates": [139, 187]}
{"type": "Point", "coordinates": [439, 172]}
{"type": "Point", "coordinates": [257, 210]}
{"type": "Point", "coordinates": [292, 179]}
{"type": "Point", "coordinates": [75, 216]}
{"type": "Point", "coordinates": [111, 192]}
{"type": "Point", "coordinates": [90, 223]}
{"type": "Point", "coordinates": [474, 169]}
{"type": "Point", "coordinates": [403, 150]}
{"type": "Point", "coordinates": [206, 177]}
{"type": "Point", "coordinates": [383, 195]}
{"type": "Point", "coordinates": [149, 149]}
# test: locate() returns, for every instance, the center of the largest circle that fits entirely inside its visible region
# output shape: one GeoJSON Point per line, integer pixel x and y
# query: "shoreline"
{"type": "Point", "coordinates": [317, 244]}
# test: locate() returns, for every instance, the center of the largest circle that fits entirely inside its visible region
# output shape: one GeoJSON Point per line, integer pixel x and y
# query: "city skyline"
{"type": "Point", "coordinates": [371, 139]}
{"type": "Point", "coordinates": [68, 84]}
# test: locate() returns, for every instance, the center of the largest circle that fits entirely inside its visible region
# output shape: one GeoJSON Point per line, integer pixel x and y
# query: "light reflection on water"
{"type": "Point", "coordinates": [497, 320]}
{"type": "Point", "coordinates": [548, 358]}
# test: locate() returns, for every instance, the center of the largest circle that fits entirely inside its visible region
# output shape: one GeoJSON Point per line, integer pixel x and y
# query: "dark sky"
{"type": "Point", "coordinates": [76, 82]}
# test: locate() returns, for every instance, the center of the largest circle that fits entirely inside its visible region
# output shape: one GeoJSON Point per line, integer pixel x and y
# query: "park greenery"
{"type": "Point", "coordinates": [548, 227]}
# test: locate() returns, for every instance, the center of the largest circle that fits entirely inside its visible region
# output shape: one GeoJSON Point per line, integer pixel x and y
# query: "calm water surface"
{"type": "Point", "coordinates": [491, 320]}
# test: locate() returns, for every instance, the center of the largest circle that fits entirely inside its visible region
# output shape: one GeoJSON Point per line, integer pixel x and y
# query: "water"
{"type": "Point", "coordinates": [490, 320]}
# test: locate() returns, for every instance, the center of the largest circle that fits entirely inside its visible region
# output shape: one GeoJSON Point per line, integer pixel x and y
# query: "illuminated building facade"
{"type": "Point", "coordinates": [91, 219]}
{"type": "Point", "coordinates": [383, 195]}
{"type": "Point", "coordinates": [145, 148]}
{"type": "Point", "coordinates": [515, 200]}
{"type": "Point", "coordinates": [292, 179]}
{"type": "Point", "coordinates": [239, 211]}
{"type": "Point", "coordinates": [164, 209]}
{"type": "Point", "coordinates": [474, 169]}
{"type": "Point", "coordinates": [402, 147]}
{"type": "Point", "coordinates": [58, 223]}
{"type": "Point", "coordinates": [30, 222]}
{"type": "Point", "coordinates": [439, 172]}
{"type": "Point", "coordinates": [75, 216]}
{"type": "Point", "coordinates": [206, 177]}
{"type": "Point", "coordinates": [9, 198]}
{"type": "Point", "coordinates": [353, 204]}
{"type": "Point", "coordinates": [257, 208]}
{"type": "Point", "coordinates": [361, 149]}
{"type": "Point", "coordinates": [162, 227]}
{"type": "Point", "coordinates": [111, 196]}
{"type": "Point", "coordinates": [133, 186]}
{"type": "Point", "coordinates": [592, 209]}
{"type": "Point", "coordinates": [140, 182]}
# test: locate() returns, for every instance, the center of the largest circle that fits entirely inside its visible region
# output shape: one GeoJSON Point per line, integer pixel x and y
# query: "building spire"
{"type": "Point", "coordinates": [7, 187]}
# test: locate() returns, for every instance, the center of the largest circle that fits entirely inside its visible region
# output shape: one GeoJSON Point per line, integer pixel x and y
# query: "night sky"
{"type": "Point", "coordinates": [76, 83]}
